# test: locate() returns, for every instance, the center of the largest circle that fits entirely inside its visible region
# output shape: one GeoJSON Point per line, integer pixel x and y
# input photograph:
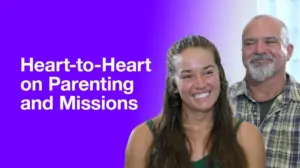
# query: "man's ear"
{"type": "Point", "coordinates": [290, 49]}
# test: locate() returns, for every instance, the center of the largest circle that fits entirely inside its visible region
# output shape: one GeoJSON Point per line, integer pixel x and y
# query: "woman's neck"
{"type": "Point", "coordinates": [197, 120]}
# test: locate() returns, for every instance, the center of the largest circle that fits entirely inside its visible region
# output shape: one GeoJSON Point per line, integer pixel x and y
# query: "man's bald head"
{"type": "Point", "coordinates": [272, 22]}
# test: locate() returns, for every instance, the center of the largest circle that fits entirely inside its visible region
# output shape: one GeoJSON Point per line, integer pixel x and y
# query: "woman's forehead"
{"type": "Point", "coordinates": [193, 58]}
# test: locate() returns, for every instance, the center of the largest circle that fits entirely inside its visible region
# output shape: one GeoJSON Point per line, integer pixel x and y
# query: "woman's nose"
{"type": "Point", "coordinates": [200, 82]}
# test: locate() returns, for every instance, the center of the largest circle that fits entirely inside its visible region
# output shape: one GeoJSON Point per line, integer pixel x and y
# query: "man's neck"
{"type": "Point", "coordinates": [268, 89]}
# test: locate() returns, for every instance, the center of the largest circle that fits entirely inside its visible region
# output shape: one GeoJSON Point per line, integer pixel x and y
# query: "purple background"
{"type": "Point", "coordinates": [54, 30]}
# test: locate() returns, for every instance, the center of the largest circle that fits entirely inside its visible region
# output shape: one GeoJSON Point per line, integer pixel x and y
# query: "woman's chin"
{"type": "Point", "coordinates": [203, 108]}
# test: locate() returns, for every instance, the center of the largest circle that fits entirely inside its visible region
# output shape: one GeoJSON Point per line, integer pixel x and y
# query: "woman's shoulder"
{"type": "Point", "coordinates": [140, 141]}
{"type": "Point", "coordinates": [244, 128]}
{"type": "Point", "coordinates": [247, 133]}
{"type": "Point", "coordinates": [251, 140]}
{"type": "Point", "coordinates": [142, 134]}
{"type": "Point", "coordinates": [144, 129]}
{"type": "Point", "coordinates": [153, 123]}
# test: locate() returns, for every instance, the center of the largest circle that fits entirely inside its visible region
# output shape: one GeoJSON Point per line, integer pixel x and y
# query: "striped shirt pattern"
{"type": "Point", "coordinates": [281, 126]}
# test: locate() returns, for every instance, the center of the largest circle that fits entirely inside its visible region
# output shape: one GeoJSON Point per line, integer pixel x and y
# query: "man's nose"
{"type": "Point", "coordinates": [260, 47]}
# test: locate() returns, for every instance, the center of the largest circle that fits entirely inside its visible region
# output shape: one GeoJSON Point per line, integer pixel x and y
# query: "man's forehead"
{"type": "Point", "coordinates": [263, 25]}
{"type": "Point", "coordinates": [277, 37]}
{"type": "Point", "coordinates": [262, 30]}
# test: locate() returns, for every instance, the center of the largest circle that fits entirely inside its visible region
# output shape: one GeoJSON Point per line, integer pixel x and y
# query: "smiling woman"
{"type": "Point", "coordinates": [197, 80]}
{"type": "Point", "coordinates": [196, 128]}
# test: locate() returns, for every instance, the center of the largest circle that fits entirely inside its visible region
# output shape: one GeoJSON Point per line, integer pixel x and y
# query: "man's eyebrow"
{"type": "Point", "coordinates": [209, 66]}
{"type": "Point", "coordinates": [250, 39]}
{"type": "Point", "coordinates": [265, 38]}
{"type": "Point", "coordinates": [271, 38]}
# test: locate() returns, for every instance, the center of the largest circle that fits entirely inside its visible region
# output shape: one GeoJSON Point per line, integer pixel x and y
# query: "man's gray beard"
{"type": "Point", "coordinates": [261, 72]}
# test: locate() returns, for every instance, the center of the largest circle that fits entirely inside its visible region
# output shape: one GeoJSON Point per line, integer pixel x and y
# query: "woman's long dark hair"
{"type": "Point", "coordinates": [170, 141]}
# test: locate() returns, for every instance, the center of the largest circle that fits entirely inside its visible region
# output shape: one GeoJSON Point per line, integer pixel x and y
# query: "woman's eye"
{"type": "Point", "coordinates": [187, 76]}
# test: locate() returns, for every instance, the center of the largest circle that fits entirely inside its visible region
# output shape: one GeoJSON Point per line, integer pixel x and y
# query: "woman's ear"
{"type": "Point", "coordinates": [174, 86]}
{"type": "Point", "coordinates": [175, 89]}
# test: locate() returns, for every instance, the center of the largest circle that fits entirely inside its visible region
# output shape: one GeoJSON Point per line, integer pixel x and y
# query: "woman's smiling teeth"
{"type": "Point", "coordinates": [201, 95]}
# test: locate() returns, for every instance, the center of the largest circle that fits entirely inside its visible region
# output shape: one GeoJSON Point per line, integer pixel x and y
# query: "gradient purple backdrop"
{"type": "Point", "coordinates": [54, 30]}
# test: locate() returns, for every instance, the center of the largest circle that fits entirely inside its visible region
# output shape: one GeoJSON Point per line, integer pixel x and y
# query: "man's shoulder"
{"type": "Point", "coordinates": [235, 88]}
{"type": "Point", "coordinates": [235, 85]}
{"type": "Point", "coordinates": [294, 83]}
{"type": "Point", "coordinates": [296, 86]}
{"type": "Point", "coordinates": [293, 88]}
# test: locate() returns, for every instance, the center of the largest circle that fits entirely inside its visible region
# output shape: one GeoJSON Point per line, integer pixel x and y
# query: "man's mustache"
{"type": "Point", "coordinates": [261, 57]}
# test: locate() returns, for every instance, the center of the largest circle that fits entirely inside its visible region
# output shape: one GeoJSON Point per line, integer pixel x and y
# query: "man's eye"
{"type": "Point", "coordinates": [270, 41]}
{"type": "Point", "coordinates": [207, 73]}
{"type": "Point", "coordinates": [248, 43]}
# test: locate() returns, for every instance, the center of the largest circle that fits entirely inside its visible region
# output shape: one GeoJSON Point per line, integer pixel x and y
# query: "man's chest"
{"type": "Point", "coordinates": [280, 129]}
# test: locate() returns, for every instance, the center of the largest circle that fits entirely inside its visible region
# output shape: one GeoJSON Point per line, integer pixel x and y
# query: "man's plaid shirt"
{"type": "Point", "coordinates": [280, 128]}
